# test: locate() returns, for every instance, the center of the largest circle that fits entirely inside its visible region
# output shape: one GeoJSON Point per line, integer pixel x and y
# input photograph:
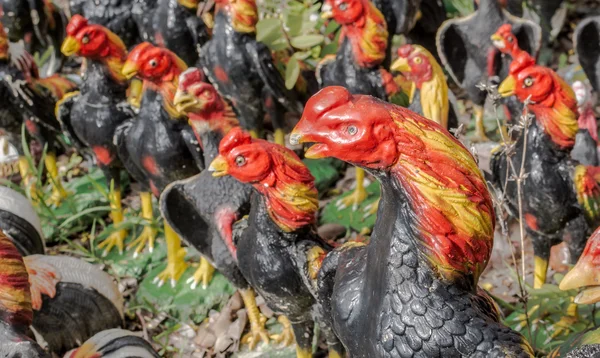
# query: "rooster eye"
{"type": "Point", "coordinates": [352, 130]}
{"type": "Point", "coordinates": [239, 160]}
{"type": "Point", "coordinates": [153, 63]}
{"type": "Point", "coordinates": [343, 6]}
{"type": "Point", "coordinates": [418, 60]}
{"type": "Point", "coordinates": [85, 39]}
{"type": "Point", "coordinates": [528, 82]}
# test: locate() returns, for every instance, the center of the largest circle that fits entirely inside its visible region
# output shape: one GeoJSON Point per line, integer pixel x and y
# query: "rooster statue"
{"type": "Point", "coordinates": [242, 68]}
{"type": "Point", "coordinates": [560, 195]}
{"type": "Point", "coordinates": [278, 251]}
{"type": "Point", "coordinates": [157, 147]}
{"type": "Point", "coordinates": [197, 209]}
{"type": "Point", "coordinates": [60, 289]}
{"type": "Point", "coordinates": [32, 99]}
{"type": "Point", "coordinates": [467, 53]}
{"type": "Point", "coordinates": [91, 116]}
{"type": "Point", "coordinates": [358, 63]}
{"type": "Point", "coordinates": [412, 290]}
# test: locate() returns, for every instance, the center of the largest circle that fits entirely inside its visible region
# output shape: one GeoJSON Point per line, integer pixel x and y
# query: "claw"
{"type": "Point", "coordinates": [175, 268]}
{"type": "Point", "coordinates": [257, 333]}
{"type": "Point", "coordinates": [203, 274]}
{"type": "Point", "coordinates": [353, 200]}
{"type": "Point", "coordinates": [286, 337]}
{"type": "Point", "coordinates": [147, 237]}
{"type": "Point", "coordinates": [371, 209]}
{"type": "Point", "coordinates": [57, 197]}
{"type": "Point", "coordinates": [116, 239]}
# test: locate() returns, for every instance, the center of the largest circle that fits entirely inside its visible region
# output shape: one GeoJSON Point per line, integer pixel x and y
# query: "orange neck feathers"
{"type": "Point", "coordinates": [243, 14]}
{"type": "Point", "coordinates": [15, 295]}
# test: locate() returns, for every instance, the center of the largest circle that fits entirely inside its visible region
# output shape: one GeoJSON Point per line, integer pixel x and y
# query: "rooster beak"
{"type": "Point", "coordinates": [190, 4]}
{"type": "Point", "coordinates": [326, 11]}
{"type": "Point", "coordinates": [183, 100]}
{"type": "Point", "coordinates": [302, 135]}
{"type": "Point", "coordinates": [130, 69]}
{"type": "Point", "coordinates": [70, 46]}
{"type": "Point", "coordinates": [507, 87]}
{"type": "Point", "coordinates": [218, 167]}
{"type": "Point", "coordinates": [497, 41]}
{"type": "Point", "coordinates": [585, 276]}
{"type": "Point", "coordinates": [401, 65]}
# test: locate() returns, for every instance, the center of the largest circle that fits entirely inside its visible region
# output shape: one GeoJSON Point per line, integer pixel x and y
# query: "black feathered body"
{"type": "Point", "coordinates": [549, 201]}
{"type": "Point", "coordinates": [386, 299]}
{"type": "Point", "coordinates": [344, 71]}
{"type": "Point", "coordinates": [179, 29]}
{"type": "Point", "coordinates": [115, 15]}
{"type": "Point", "coordinates": [243, 72]}
{"type": "Point", "coordinates": [199, 208]}
{"type": "Point", "coordinates": [93, 116]}
{"type": "Point", "coordinates": [155, 148]}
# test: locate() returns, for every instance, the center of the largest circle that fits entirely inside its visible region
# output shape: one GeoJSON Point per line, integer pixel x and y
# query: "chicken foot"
{"type": "Point", "coordinates": [258, 331]}
{"type": "Point", "coordinates": [148, 235]}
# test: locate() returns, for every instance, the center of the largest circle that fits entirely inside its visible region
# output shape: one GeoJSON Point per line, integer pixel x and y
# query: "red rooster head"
{"type": "Point", "coordinates": [505, 40]}
{"type": "Point", "coordinates": [449, 199]}
{"type": "Point", "coordinates": [92, 41]}
{"type": "Point", "coordinates": [551, 99]}
{"type": "Point", "coordinates": [586, 273]}
{"type": "Point", "coordinates": [243, 14]}
{"type": "Point", "coordinates": [3, 43]}
{"type": "Point", "coordinates": [276, 172]}
{"type": "Point", "coordinates": [154, 64]}
{"type": "Point", "coordinates": [364, 25]}
{"type": "Point", "coordinates": [415, 63]}
{"type": "Point", "coordinates": [202, 103]}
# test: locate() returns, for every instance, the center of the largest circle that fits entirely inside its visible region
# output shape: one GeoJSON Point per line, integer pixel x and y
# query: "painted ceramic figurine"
{"type": "Point", "coordinates": [586, 41]}
{"type": "Point", "coordinates": [92, 115]}
{"type": "Point", "coordinates": [358, 62]}
{"type": "Point", "coordinates": [157, 147]}
{"type": "Point", "coordinates": [203, 209]}
{"type": "Point", "coordinates": [242, 69]}
{"type": "Point", "coordinates": [468, 55]}
{"type": "Point", "coordinates": [279, 252]}
{"type": "Point", "coordinates": [116, 16]}
{"type": "Point", "coordinates": [20, 222]}
{"type": "Point", "coordinates": [560, 194]}
{"type": "Point", "coordinates": [412, 290]}
{"type": "Point", "coordinates": [43, 20]}
{"type": "Point", "coordinates": [174, 25]}
{"type": "Point", "coordinates": [32, 100]}
{"type": "Point", "coordinates": [44, 292]}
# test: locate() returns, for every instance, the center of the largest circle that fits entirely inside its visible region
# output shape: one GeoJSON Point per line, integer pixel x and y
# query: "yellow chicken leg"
{"type": "Point", "coordinates": [117, 238]}
{"type": "Point", "coordinates": [28, 179]}
{"type": "Point", "coordinates": [540, 271]}
{"type": "Point", "coordinates": [286, 337]}
{"type": "Point", "coordinates": [254, 133]}
{"type": "Point", "coordinates": [565, 324]}
{"type": "Point", "coordinates": [258, 331]}
{"type": "Point", "coordinates": [58, 191]}
{"type": "Point", "coordinates": [203, 274]}
{"type": "Point", "coordinates": [358, 196]}
{"type": "Point", "coordinates": [148, 235]}
{"type": "Point", "coordinates": [480, 135]}
{"type": "Point", "coordinates": [280, 136]}
{"type": "Point", "coordinates": [176, 265]}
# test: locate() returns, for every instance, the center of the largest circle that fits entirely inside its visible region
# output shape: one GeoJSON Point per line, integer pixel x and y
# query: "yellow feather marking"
{"type": "Point", "coordinates": [375, 36]}
{"type": "Point", "coordinates": [434, 93]}
{"type": "Point", "coordinates": [61, 101]}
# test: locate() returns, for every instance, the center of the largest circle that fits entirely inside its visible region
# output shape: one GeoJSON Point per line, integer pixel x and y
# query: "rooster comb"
{"type": "Point", "coordinates": [236, 137]}
{"type": "Point", "coordinates": [505, 29]}
{"type": "Point", "coordinates": [405, 50]}
{"type": "Point", "coordinates": [189, 77]}
{"type": "Point", "coordinates": [77, 23]}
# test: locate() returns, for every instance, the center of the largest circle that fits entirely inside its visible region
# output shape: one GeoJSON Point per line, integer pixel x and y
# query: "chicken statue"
{"type": "Point", "coordinates": [41, 293]}
{"type": "Point", "coordinates": [32, 99]}
{"type": "Point", "coordinates": [197, 209]}
{"type": "Point", "coordinates": [279, 252]}
{"type": "Point", "coordinates": [42, 22]}
{"type": "Point", "coordinates": [586, 41]}
{"type": "Point", "coordinates": [412, 290]}
{"type": "Point", "coordinates": [559, 201]}
{"type": "Point", "coordinates": [358, 63]}
{"type": "Point", "coordinates": [157, 147]}
{"type": "Point", "coordinates": [468, 55]}
{"type": "Point", "coordinates": [93, 114]}
{"type": "Point", "coordinates": [242, 68]}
